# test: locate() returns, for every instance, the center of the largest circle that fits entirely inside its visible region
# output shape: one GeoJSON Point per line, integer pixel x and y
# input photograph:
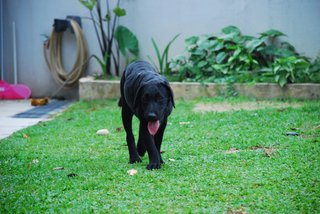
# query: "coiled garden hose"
{"type": "Point", "coordinates": [52, 53]}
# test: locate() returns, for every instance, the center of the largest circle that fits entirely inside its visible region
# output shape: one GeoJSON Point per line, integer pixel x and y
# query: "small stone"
{"type": "Point", "coordinates": [103, 132]}
{"type": "Point", "coordinates": [132, 172]}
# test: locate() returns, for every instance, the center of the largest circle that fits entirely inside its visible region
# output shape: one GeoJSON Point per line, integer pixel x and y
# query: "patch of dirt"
{"type": "Point", "coordinates": [249, 106]}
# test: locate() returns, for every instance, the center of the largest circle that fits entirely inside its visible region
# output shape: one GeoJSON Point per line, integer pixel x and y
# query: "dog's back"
{"type": "Point", "coordinates": [136, 75]}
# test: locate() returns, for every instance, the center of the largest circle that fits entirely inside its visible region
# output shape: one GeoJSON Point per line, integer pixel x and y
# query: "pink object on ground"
{"type": "Point", "coordinates": [13, 92]}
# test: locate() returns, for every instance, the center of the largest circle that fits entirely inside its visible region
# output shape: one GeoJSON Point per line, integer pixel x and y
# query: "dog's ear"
{"type": "Point", "coordinates": [166, 84]}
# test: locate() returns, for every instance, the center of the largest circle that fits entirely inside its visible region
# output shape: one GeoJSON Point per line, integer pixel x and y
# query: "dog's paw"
{"type": "Point", "coordinates": [135, 160]}
{"type": "Point", "coordinates": [152, 166]}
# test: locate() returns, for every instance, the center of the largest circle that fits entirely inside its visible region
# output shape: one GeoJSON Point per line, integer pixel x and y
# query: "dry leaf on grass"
{"type": "Point", "coordinates": [256, 147]}
{"type": "Point", "coordinates": [316, 127]}
{"type": "Point", "coordinates": [239, 211]}
{"type": "Point", "coordinates": [232, 150]}
{"type": "Point", "coordinates": [269, 151]}
{"type": "Point", "coordinates": [172, 160]}
{"type": "Point", "coordinates": [103, 132]}
{"type": "Point", "coordinates": [184, 123]}
{"type": "Point", "coordinates": [132, 172]}
{"type": "Point", "coordinates": [58, 168]}
{"type": "Point", "coordinates": [72, 175]}
{"type": "Point", "coordinates": [25, 136]}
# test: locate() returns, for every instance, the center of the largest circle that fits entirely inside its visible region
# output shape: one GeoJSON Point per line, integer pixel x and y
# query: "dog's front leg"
{"type": "Point", "coordinates": [154, 158]}
{"type": "Point", "coordinates": [127, 123]}
{"type": "Point", "coordinates": [158, 138]}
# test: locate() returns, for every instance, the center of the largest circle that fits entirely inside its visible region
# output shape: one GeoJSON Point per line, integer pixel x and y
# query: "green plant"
{"type": "Point", "coordinates": [288, 69]}
{"type": "Point", "coordinates": [163, 63]}
{"type": "Point", "coordinates": [127, 42]}
{"type": "Point", "coordinates": [107, 29]}
{"type": "Point", "coordinates": [314, 70]}
{"type": "Point", "coordinates": [212, 58]}
{"type": "Point", "coordinates": [240, 57]}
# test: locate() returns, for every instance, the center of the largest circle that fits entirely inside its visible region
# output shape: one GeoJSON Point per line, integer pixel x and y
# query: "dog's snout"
{"type": "Point", "coordinates": [152, 117]}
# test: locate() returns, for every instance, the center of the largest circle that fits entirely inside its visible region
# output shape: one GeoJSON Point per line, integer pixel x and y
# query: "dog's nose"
{"type": "Point", "coordinates": [152, 117]}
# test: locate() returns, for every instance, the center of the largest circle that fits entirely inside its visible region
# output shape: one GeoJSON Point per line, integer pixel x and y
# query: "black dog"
{"type": "Point", "coordinates": [147, 95]}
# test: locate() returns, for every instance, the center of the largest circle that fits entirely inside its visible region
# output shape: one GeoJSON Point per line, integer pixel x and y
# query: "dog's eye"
{"type": "Point", "coordinates": [145, 98]}
{"type": "Point", "coordinates": [158, 97]}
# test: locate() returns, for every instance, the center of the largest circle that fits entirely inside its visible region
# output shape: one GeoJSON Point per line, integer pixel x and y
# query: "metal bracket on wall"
{"type": "Point", "coordinates": [61, 25]}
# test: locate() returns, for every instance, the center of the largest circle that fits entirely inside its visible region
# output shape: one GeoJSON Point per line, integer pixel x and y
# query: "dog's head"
{"type": "Point", "coordinates": [154, 102]}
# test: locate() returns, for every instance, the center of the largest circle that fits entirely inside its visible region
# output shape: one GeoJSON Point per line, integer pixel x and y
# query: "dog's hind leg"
{"type": "Point", "coordinates": [141, 147]}
{"type": "Point", "coordinates": [127, 124]}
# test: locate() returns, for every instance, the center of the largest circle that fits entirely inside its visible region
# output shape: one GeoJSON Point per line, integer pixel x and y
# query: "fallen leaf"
{"type": "Point", "coordinates": [184, 123]}
{"type": "Point", "coordinates": [316, 127]}
{"type": "Point", "coordinates": [292, 134]}
{"type": "Point", "coordinates": [232, 150]}
{"type": "Point", "coordinates": [25, 136]}
{"type": "Point", "coordinates": [132, 172]}
{"type": "Point", "coordinates": [72, 175]}
{"type": "Point", "coordinates": [282, 109]}
{"type": "Point", "coordinates": [103, 132]}
{"type": "Point", "coordinates": [256, 147]}
{"type": "Point", "coordinates": [239, 211]}
{"type": "Point", "coordinates": [58, 168]}
{"type": "Point", "coordinates": [269, 151]}
{"type": "Point", "coordinates": [118, 129]}
{"type": "Point", "coordinates": [172, 160]}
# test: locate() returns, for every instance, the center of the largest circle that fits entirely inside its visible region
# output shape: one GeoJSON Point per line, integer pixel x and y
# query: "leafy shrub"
{"type": "Point", "coordinates": [314, 70]}
{"type": "Point", "coordinates": [163, 62]}
{"type": "Point", "coordinates": [233, 57]}
{"type": "Point", "coordinates": [107, 30]}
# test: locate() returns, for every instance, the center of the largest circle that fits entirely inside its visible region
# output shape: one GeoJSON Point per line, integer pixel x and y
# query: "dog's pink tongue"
{"type": "Point", "coordinates": [153, 127]}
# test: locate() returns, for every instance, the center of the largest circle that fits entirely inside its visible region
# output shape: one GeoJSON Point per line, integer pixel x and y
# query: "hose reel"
{"type": "Point", "coordinates": [53, 56]}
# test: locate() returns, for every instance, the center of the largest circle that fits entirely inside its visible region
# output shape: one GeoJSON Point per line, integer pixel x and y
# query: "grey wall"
{"type": "Point", "coordinates": [160, 19]}
{"type": "Point", "coordinates": [299, 19]}
{"type": "Point", "coordinates": [33, 20]}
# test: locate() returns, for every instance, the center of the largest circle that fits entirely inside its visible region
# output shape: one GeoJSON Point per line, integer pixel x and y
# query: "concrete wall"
{"type": "Point", "coordinates": [164, 19]}
{"type": "Point", "coordinates": [33, 20]}
{"type": "Point", "coordinates": [160, 19]}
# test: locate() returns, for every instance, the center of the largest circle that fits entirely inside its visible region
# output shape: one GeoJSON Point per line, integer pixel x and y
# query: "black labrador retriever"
{"type": "Point", "coordinates": [147, 95]}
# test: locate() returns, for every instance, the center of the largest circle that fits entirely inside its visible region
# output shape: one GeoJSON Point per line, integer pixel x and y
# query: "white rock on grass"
{"type": "Point", "coordinates": [103, 132]}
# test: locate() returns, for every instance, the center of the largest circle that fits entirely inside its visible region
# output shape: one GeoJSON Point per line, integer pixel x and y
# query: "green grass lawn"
{"type": "Point", "coordinates": [214, 162]}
